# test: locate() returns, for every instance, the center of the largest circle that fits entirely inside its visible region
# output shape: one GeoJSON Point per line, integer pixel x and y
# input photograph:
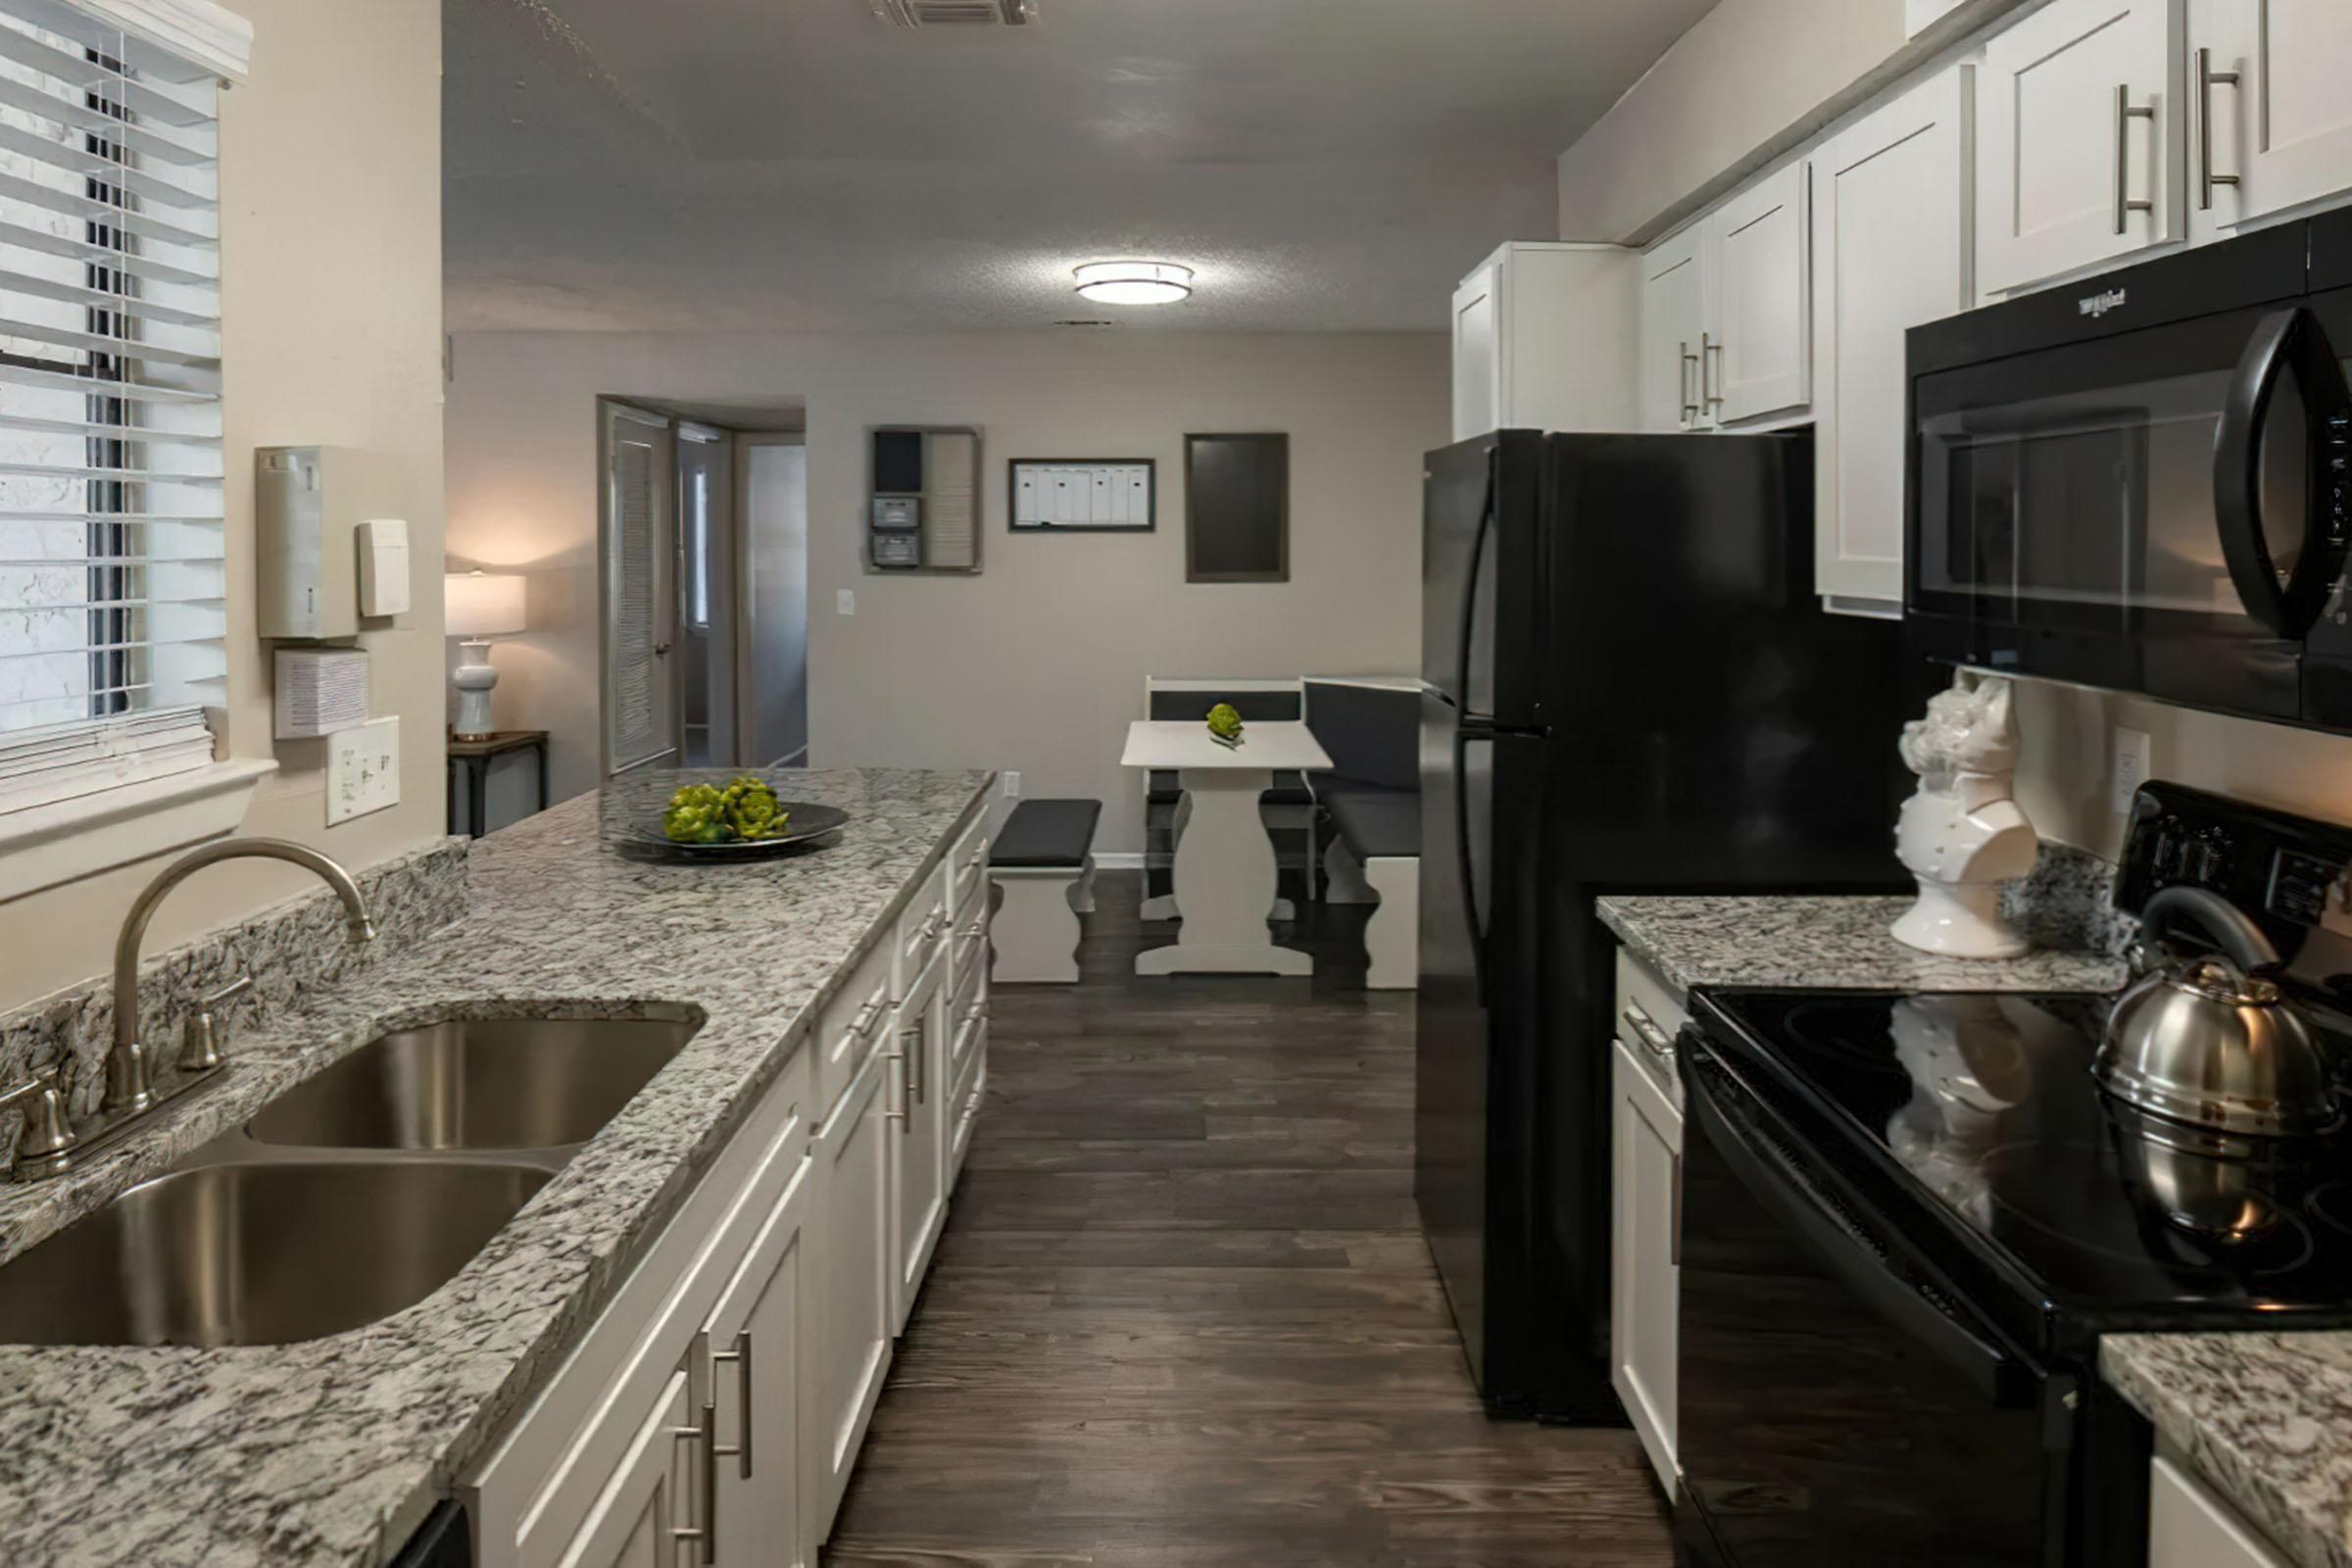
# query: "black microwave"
{"type": "Point", "coordinates": [2139, 481]}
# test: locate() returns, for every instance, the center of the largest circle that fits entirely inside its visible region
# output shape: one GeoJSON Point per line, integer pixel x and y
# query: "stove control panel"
{"type": "Point", "coordinates": [2291, 873]}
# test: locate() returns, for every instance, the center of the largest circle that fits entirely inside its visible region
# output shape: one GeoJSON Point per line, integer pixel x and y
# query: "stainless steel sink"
{"type": "Point", "coordinates": [475, 1082]}
{"type": "Point", "coordinates": [259, 1254]}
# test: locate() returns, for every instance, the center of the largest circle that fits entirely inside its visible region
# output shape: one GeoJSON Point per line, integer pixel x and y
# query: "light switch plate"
{"type": "Point", "coordinates": [363, 769]}
{"type": "Point", "coordinates": [2128, 767]}
{"type": "Point", "coordinates": [845, 601]}
{"type": "Point", "coordinates": [1012, 781]}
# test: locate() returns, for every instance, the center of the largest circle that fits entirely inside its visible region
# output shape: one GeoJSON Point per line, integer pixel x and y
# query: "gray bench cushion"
{"type": "Point", "coordinates": [1047, 833]}
{"type": "Point", "coordinates": [1377, 823]}
{"type": "Point", "coordinates": [1373, 733]}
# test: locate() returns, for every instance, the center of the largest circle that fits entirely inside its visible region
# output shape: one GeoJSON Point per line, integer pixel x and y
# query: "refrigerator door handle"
{"type": "Point", "coordinates": [1468, 619]}
{"type": "Point", "coordinates": [1463, 735]}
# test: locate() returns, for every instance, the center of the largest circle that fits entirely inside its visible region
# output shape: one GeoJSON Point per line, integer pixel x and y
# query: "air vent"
{"type": "Point", "coordinates": [953, 13]}
{"type": "Point", "coordinates": [1084, 322]}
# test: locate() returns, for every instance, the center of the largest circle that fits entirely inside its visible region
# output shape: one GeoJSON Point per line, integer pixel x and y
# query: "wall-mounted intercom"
{"type": "Point", "coordinates": [924, 513]}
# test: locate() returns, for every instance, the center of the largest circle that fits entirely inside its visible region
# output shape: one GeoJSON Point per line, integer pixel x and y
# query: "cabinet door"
{"type": "Point", "coordinates": [1674, 314]}
{"type": "Point", "coordinates": [1478, 353]}
{"type": "Point", "coordinates": [2081, 139]}
{"type": "Point", "coordinates": [2188, 1526]}
{"type": "Point", "coordinates": [918, 1138]}
{"type": "Point", "coordinates": [2280, 135]}
{"type": "Point", "coordinates": [752, 1366]}
{"type": "Point", "coordinates": [1645, 1263]}
{"type": "Point", "coordinates": [1890, 250]}
{"type": "Point", "coordinates": [636, 1518]}
{"type": "Point", "coordinates": [1762, 348]}
{"type": "Point", "coordinates": [852, 1151]}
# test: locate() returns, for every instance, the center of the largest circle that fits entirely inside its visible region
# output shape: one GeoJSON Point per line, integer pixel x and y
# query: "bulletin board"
{"type": "Point", "coordinates": [1083, 494]}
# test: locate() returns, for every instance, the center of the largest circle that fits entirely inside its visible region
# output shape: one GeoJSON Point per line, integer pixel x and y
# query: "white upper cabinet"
{"type": "Point", "coordinates": [1544, 339]}
{"type": "Point", "coordinates": [1724, 307]}
{"type": "Point", "coordinates": [1674, 326]}
{"type": "Point", "coordinates": [1891, 226]}
{"type": "Point", "coordinates": [2273, 124]}
{"type": "Point", "coordinates": [2081, 116]}
{"type": "Point", "coordinates": [1762, 346]}
{"type": "Point", "coordinates": [1477, 354]}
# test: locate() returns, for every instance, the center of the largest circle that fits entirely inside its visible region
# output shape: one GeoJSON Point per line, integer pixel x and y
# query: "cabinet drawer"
{"type": "Point", "coordinates": [922, 932]}
{"type": "Point", "coordinates": [850, 1024]}
{"type": "Point", "coordinates": [967, 874]}
{"type": "Point", "coordinates": [963, 1105]}
{"type": "Point", "coordinates": [535, 1493]}
{"type": "Point", "coordinates": [967, 1017]}
{"type": "Point", "coordinates": [1647, 1018]}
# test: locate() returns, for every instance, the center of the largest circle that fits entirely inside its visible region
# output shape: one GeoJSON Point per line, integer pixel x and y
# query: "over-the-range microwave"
{"type": "Point", "coordinates": [2139, 481]}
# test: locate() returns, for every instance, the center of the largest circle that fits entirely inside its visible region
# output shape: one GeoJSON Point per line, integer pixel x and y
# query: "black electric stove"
{"type": "Point", "coordinates": [1907, 1220]}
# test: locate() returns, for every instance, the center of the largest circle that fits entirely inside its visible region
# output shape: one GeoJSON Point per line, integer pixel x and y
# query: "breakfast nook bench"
{"type": "Point", "coordinates": [1044, 863]}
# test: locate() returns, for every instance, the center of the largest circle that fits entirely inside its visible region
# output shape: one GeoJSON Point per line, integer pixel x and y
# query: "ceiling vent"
{"type": "Point", "coordinates": [953, 13]}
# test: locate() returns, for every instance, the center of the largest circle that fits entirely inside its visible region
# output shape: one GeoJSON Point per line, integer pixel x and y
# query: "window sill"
{"type": "Point", "coordinates": [68, 840]}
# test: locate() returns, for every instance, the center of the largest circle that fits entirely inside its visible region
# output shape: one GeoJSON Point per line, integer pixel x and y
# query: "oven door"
{"type": "Point", "coordinates": [2150, 511]}
{"type": "Point", "coordinates": [1836, 1404]}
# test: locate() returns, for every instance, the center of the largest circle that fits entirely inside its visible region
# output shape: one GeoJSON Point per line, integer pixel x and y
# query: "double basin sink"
{"type": "Point", "coordinates": [354, 1194]}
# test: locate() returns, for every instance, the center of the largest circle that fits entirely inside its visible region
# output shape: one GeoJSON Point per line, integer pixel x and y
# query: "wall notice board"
{"type": "Point", "coordinates": [1098, 495]}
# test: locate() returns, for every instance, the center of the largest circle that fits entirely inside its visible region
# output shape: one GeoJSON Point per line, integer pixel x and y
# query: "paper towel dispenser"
{"type": "Point", "coordinates": [924, 513]}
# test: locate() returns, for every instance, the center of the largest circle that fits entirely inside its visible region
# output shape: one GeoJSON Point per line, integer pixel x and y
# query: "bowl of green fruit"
{"type": "Point", "coordinates": [1225, 726]}
{"type": "Point", "coordinates": [720, 818]}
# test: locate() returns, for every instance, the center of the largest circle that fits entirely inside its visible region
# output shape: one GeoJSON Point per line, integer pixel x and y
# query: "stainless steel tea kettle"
{"type": "Point", "coordinates": [2210, 1040]}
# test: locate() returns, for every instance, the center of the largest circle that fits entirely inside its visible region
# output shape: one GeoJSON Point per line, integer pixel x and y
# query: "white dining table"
{"type": "Point", "coordinates": [1225, 869]}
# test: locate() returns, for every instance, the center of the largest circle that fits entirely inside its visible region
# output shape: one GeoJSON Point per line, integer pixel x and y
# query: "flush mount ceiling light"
{"type": "Point", "coordinates": [1135, 282]}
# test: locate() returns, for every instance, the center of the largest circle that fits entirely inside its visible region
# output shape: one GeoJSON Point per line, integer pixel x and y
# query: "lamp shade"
{"type": "Point", "coordinates": [482, 604]}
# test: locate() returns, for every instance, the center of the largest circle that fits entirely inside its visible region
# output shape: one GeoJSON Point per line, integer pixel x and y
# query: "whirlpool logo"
{"type": "Point", "coordinates": [2099, 305]}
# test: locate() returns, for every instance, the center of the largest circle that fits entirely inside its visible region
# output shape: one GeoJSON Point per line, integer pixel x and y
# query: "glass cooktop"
{"type": "Point", "coordinates": [1986, 1103]}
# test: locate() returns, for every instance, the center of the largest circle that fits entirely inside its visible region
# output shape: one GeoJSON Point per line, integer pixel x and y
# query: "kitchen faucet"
{"type": "Point", "coordinates": [130, 1068]}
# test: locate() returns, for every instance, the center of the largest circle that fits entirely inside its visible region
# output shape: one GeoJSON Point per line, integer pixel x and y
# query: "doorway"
{"type": "Point", "coordinates": [704, 576]}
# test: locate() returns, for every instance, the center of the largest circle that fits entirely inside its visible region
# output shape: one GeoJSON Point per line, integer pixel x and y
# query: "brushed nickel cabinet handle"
{"type": "Point", "coordinates": [705, 1533]}
{"type": "Point", "coordinates": [2126, 113]}
{"type": "Point", "coordinates": [1710, 369]}
{"type": "Point", "coordinates": [1652, 1039]}
{"type": "Point", "coordinates": [2207, 79]}
{"type": "Point", "coordinates": [1683, 359]}
{"type": "Point", "coordinates": [741, 1355]}
{"type": "Point", "coordinates": [913, 1057]}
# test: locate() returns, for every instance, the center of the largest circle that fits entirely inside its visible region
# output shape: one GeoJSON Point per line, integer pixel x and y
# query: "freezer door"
{"type": "Point", "coordinates": [1479, 587]}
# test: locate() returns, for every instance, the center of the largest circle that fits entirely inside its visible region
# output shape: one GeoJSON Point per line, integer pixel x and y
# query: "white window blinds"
{"type": "Point", "coordinates": [112, 579]}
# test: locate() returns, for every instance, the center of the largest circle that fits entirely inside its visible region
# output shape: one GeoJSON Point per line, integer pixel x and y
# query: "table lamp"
{"type": "Point", "coordinates": [480, 605]}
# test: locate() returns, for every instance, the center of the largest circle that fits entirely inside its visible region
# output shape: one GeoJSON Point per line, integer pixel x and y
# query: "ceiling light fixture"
{"type": "Point", "coordinates": [1135, 282]}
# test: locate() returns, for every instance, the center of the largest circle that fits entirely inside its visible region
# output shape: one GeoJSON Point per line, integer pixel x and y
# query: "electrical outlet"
{"type": "Point", "coordinates": [845, 601]}
{"type": "Point", "coordinates": [2128, 766]}
{"type": "Point", "coordinates": [1013, 782]}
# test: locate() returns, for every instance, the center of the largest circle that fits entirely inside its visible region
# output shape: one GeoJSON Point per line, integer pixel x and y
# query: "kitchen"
{"type": "Point", "coordinates": [1658, 1122]}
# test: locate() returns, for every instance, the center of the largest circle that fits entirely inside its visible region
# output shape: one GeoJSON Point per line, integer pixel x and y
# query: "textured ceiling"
{"type": "Point", "coordinates": [795, 164]}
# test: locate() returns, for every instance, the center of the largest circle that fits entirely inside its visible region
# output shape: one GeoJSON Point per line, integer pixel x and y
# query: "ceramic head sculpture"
{"type": "Point", "coordinates": [1961, 834]}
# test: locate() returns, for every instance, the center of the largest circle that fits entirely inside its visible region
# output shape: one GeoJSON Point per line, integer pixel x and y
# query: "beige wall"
{"type": "Point", "coordinates": [331, 333]}
{"type": "Point", "coordinates": [1752, 79]}
{"type": "Point", "coordinates": [1039, 662]}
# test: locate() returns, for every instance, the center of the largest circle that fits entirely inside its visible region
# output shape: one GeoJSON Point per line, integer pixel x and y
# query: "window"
{"type": "Point", "coordinates": [1237, 507]}
{"type": "Point", "coordinates": [112, 579]}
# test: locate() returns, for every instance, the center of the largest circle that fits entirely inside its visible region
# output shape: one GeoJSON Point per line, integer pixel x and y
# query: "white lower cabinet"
{"type": "Point", "coordinates": [1646, 1205]}
{"type": "Point", "coordinates": [752, 1352]}
{"type": "Point", "coordinates": [919, 1136]}
{"type": "Point", "coordinates": [712, 1416]}
{"type": "Point", "coordinates": [2189, 1527]}
{"type": "Point", "coordinates": [640, 1519]}
{"type": "Point", "coordinates": [1890, 223]}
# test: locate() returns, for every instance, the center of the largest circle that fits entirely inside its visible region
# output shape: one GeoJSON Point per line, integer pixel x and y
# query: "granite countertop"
{"type": "Point", "coordinates": [2263, 1418]}
{"type": "Point", "coordinates": [1833, 943]}
{"type": "Point", "coordinates": [333, 1451]}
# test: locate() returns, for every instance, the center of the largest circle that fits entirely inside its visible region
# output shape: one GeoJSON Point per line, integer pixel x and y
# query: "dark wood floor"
{"type": "Point", "coordinates": [1182, 1314]}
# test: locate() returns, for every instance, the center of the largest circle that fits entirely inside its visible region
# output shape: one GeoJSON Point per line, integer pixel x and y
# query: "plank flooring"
{"type": "Point", "coordinates": [1182, 1315]}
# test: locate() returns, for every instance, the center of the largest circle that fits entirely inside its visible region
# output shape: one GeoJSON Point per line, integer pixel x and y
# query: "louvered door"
{"type": "Point", "coordinates": [640, 592]}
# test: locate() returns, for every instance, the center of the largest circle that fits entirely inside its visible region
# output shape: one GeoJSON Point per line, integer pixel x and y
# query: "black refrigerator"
{"type": "Point", "coordinates": [1631, 687]}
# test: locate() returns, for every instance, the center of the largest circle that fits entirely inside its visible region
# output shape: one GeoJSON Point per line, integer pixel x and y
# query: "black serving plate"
{"type": "Point", "coordinates": [805, 821]}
